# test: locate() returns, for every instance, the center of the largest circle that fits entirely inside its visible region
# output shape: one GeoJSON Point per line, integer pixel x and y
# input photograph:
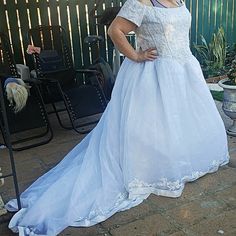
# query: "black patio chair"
{"type": "Point", "coordinates": [76, 92]}
{"type": "Point", "coordinates": [30, 127]}
{"type": "Point", "coordinates": [12, 173]}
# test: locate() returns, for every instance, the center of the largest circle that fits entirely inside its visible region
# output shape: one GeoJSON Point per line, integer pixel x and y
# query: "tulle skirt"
{"type": "Point", "coordinates": [160, 130]}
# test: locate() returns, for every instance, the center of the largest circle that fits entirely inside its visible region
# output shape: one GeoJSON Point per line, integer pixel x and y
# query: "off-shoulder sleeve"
{"type": "Point", "coordinates": [133, 11]}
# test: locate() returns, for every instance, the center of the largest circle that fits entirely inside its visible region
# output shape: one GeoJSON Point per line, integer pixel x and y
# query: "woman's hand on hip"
{"type": "Point", "coordinates": [147, 55]}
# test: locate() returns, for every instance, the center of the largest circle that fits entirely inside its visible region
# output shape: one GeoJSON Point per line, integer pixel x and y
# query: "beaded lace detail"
{"type": "Point", "coordinates": [166, 29]}
{"type": "Point", "coordinates": [166, 186]}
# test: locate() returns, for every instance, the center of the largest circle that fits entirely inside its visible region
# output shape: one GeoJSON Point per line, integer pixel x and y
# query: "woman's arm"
{"type": "Point", "coordinates": [118, 30]}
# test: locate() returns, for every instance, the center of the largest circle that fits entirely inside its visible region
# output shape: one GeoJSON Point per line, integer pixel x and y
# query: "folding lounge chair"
{"type": "Point", "coordinates": [12, 173]}
{"type": "Point", "coordinates": [76, 92]}
{"type": "Point", "coordinates": [30, 127]}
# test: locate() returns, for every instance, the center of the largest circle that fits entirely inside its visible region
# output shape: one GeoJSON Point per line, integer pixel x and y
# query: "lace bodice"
{"type": "Point", "coordinates": [166, 29]}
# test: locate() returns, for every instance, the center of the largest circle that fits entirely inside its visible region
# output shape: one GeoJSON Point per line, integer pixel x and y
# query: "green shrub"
{"type": "Point", "coordinates": [213, 54]}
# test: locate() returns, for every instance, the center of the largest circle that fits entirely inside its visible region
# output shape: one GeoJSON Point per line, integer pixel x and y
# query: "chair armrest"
{"type": "Point", "coordinates": [33, 81]}
{"type": "Point", "coordinates": [47, 80]}
{"type": "Point", "coordinates": [42, 79]}
{"type": "Point", "coordinates": [88, 71]}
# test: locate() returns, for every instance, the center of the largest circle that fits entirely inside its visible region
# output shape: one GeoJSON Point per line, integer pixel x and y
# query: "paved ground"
{"type": "Point", "coordinates": [207, 206]}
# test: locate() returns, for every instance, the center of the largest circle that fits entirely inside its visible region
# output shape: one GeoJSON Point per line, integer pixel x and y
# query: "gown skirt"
{"type": "Point", "coordinates": [160, 130]}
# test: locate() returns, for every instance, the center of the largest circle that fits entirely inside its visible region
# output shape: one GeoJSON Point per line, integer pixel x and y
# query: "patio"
{"type": "Point", "coordinates": [207, 206]}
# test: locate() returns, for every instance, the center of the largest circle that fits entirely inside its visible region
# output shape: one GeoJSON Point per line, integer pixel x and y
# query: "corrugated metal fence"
{"type": "Point", "coordinates": [17, 16]}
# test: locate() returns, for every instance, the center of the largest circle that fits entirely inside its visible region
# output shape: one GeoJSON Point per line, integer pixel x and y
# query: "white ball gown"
{"type": "Point", "coordinates": [160, 130]}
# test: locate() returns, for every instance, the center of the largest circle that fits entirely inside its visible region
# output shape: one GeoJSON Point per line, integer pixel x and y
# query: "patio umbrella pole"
{"type": "Point", "coordinates": [9, 146]}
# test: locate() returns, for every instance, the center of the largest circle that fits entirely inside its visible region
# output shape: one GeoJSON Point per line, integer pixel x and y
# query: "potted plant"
{"type": "Point", "coordinates": [229, 100]}
{"type": "Point", "coordinates": [213, 56]}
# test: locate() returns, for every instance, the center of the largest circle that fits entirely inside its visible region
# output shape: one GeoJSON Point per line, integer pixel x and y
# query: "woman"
{"type": "Point", "coordinates": [160, 130]}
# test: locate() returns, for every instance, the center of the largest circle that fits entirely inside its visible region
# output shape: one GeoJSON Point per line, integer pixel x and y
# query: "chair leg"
{"type": "Point", "coordinates": [72, 119]}
{"type": "Point", "coordinates": [70, 114]}
{"type": "Point", "coordinates": [48, 131]}
{"type": "Point", "coordinates": [72, 127]}
{"type": "Point", "coordinates": [58, 116]}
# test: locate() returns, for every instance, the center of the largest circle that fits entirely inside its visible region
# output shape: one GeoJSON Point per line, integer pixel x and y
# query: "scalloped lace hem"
{"type": "Point", "coordinates": [171, 188]}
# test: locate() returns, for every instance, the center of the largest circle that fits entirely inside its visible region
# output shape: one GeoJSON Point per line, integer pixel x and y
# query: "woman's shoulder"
{"type": "Point", "coordinates": [134, 11]}
{"type": "Point", "coordinates": [149, 3]}
{"type": "Point", "coordinates": [145, 2]}
{"type": "Point", "coordinates": [140, 2]}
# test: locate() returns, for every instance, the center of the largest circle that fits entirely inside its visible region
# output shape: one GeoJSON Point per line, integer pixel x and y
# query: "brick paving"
{"type": "Point", "coordinates": [207, 206]}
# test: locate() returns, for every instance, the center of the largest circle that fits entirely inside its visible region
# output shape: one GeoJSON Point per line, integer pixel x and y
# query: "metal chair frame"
{"type": "Point", "coordinates": [11, 70]}
{"type": "Point", "coordinates": [10, 149]}
{"type": "Point", "coordinates": [49, 81]}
